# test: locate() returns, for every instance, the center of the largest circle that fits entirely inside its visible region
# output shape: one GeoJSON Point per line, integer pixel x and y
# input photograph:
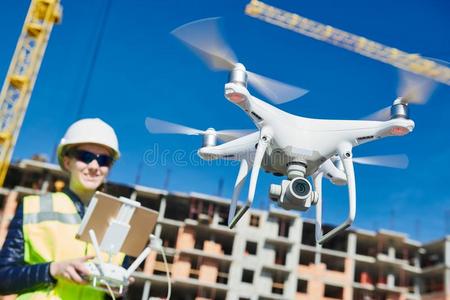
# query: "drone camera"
{"type": "Point", "coordinates": [299, 188]}
{"type": "Point", "coordinates": [293, 194]}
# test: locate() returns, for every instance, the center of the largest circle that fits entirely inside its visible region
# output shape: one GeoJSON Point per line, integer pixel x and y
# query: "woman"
{"type": "Point", "coordinates": [41, 258]}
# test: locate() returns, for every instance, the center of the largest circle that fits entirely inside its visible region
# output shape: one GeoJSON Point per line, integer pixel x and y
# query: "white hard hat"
{"type": "Point", "coordinates": [93, 131]}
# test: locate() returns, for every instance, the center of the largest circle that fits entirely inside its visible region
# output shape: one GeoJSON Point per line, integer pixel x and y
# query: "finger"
{"type": "Point", "coordinates": [66, 276]}
{"type": "Point", "coordinates": [74, 276]}
{"type": "Point", "coordinates": [131, 280]}
{"type": "Point", "coordinates": [86, 258]}
{"type": "Point", "coordinates": [81, 268]}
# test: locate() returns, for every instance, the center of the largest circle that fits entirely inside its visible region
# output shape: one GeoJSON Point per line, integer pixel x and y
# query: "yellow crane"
{"type": "Point", "coordinates": [400, 59]}
{"type": "Point", "coordinates": [22, 73]}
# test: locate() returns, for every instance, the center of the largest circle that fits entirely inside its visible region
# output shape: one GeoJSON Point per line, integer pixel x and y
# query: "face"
{"type": "Point", "coordinates": [87, 176]}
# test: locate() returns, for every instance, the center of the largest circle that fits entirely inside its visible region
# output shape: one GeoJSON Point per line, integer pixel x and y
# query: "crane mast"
{"type": "Point", "coordinates": [22, 73]}
{"type": "Point", "coordinates": [400, 59]}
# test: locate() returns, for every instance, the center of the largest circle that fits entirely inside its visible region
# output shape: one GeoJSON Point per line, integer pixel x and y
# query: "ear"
{"type": "Point", "coordinates": [66, 162]}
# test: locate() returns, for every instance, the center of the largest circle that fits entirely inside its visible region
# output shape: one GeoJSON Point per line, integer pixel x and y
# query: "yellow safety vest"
{"type": "Point", "coordinates": [50, 223]}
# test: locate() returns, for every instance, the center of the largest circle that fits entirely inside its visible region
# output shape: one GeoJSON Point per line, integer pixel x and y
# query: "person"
{"type": "Point", "coordinates": [41, 258]}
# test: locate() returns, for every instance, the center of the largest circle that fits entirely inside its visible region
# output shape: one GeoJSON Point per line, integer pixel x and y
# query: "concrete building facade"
{"type": "Point", "coordinates": [270, 255]}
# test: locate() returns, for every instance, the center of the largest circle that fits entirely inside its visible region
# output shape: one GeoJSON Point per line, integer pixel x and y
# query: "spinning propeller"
{"type": "Point", "coordinates": [204, 38]}
{"type": "Point", "coordinates": [159, 126]}
{"type": "Point", "coordinates": [412, 89]}
{"type": "Point", "coordinates": [399, 161]}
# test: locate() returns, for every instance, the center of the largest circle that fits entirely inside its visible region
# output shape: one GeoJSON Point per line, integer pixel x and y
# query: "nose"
{"type": "Point", "coordinates": [93, 165]}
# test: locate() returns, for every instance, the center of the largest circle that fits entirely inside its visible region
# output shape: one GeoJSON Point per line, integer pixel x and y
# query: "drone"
{"type": "Point", "coordinates": [284, 144]}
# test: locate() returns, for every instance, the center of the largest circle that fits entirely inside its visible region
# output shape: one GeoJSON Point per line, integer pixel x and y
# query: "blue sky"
{"type": "Point", "coordinates": [141, 70]}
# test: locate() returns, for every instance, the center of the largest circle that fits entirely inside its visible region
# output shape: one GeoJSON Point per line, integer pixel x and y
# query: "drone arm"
{"type": "Point", "coordinates": [345, 153]}
{"type": "Point", "coordinates": [238, 94]}
{"type": "Point", "coordinates": [264, 141]}
{"type": "Point", "coordinates": [243, 172]}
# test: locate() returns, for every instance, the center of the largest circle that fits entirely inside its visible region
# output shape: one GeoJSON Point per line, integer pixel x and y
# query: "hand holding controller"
{"type": "Point", "coordinates": [108, 274]}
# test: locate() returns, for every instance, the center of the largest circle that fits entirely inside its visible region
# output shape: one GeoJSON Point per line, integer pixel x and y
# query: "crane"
{"type": "Point", "coordinates": [400, 59]}
{"type": "Point", "coordinates": [22, 73]}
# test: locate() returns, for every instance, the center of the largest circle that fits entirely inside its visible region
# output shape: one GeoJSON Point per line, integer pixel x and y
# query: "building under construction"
{"type": "Point", "coordinates": [270, 255]}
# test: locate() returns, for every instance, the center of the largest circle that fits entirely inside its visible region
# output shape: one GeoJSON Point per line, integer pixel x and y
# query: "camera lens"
{"type": "Point", "coordinates": [300, 187]}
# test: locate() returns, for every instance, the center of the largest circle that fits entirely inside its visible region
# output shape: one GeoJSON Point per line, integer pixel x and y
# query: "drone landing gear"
{"type": "Point", "coordinates": [264, 141]}
{"type": "Point", "coordinates": [345, 153]}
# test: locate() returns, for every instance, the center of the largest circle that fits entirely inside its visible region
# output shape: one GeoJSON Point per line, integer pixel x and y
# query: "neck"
{"type": "Point", "coordinates": [82, 193]}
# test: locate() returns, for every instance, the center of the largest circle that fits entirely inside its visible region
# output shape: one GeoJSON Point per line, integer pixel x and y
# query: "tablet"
{"type": "Point", "coordinates": [103, 208]}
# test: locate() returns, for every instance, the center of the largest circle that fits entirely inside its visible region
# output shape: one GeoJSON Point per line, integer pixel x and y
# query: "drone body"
{"type": "Point", "coordinates": [285, 144]}
{"type": "Point", "coordinates": [297, 147]}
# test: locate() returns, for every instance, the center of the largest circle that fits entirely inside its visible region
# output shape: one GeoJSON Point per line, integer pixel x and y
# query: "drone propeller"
{"type": "Point", "coordinates": [204, 37]}
{"type": "Point", "coordinates": [159, 126]}
{"type": "Point", "coordinates": [412, 89]}
{"type": "Point", "coordinates": [399, 161]}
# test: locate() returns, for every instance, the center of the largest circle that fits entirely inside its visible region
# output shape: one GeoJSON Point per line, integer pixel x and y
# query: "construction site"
{"type": "Point", "coordinates": [214, 253]}
{"type": "Point", "coordinates": [271, 255]}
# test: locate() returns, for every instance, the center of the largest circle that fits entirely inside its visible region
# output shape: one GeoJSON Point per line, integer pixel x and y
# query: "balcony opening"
{"type": "Point", "coordinates": [280, 256]}
{"type": "Point", "coordinates": [334, 292]}
{"type": "Point", "coordinates": [220, 244]}
{"type": "Point", "coordinates": [254, 220]}
{"type": "Point", "coordinates": [176, 209]}
{"type": "Point", "coordinates": [432, 258]}
{"type": "Point", "coordinates": [308, 235]}
{"type": "Point", "coordinates": [366, 246]}
{"type": "Point", "coordinates": [337, 243]}
{"type": "Point", "coordinates": [306, 257]}
{"type": "Point", "coordinates": [201, 211]}
{"type": "Point", "coordinates": [365, 274]}
{"type": "Point", "coordinates": [149, 202]}
{"type": "Point", "coordinates": [222, 277]}
{"type": "Point", "coordinates": [169, 236]}
{"type": "Point", "coordinates": [223, 215]}
{"type": "Point", "coordinates": [251, 248]}
{"type": "Point", "coordinates": [118, 190]}
{"type": "Point", "coordinates": [277, 284]}
{"type": "Point", "coordinates": [433, 284]}
{"type": "Point", "coordinates": [247, 276]}
{"type": "Point", "coordinates": [302, 286]}
{"type": "Point", "coordinates": [160, 268]}
{"type": "Point", "coordinates": [284, 227]}
{"type": "Point", "coordinates": [333, 263]}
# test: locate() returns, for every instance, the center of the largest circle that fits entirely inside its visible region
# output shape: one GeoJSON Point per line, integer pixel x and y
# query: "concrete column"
{"type": "Point", "coordinates": [417, 285]}
{"type": "Point", "coordinates": [391, 252]}
{"type": "Point", "coordinates": [162, 208]}
{"type": "Point", "coordinates": [447, 252]}
{"type": "Point", "coordinates": [447, 266]}
{"type": "Point", "coordinates": [390, 280]}
{"type": "Point", "coordinates": [417, 260]}
{"type": "Point", "coordinates": [158, 229]}
{"type": "Point", "coordinates": [216, 217]}
{"type": "Point", "coordinates": [290, 286]}
{"type": "Point", "coordinates": [299, 228]}
{"type": "Point", "coordinates": [264, 284]}
{"type": "Point", "coordinates": [317, 256]}
{"type": "Point", "coordinates": [350, 265]}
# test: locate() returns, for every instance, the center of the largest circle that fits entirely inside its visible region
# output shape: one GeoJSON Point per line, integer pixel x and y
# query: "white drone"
{"type": "Point", "coordinates": [286, 144]}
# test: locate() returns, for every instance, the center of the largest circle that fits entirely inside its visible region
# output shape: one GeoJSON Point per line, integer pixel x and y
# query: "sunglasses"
{"type": "Point", "coordinates": [103, 160]}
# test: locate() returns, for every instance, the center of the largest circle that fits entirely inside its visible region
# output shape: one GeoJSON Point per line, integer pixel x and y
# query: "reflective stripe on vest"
{"type": "Point", "coordinates": [47, 213]}
{"type": "Point", "coordinates": [50, 224]}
